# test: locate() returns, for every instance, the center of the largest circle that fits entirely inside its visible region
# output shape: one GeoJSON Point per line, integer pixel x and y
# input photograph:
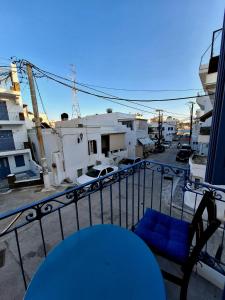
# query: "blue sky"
{"type": "Point", "coordinates": [125, 44]}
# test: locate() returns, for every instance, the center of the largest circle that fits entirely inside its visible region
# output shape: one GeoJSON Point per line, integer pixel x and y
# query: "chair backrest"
{"type": "Point", "coordinates": [197, 229]}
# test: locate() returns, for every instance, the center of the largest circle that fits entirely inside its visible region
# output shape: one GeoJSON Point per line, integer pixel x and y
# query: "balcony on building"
{"type": "Point", "coordinates": [209, 64]}
{"type": "Point", "coordinates": [12, 118]}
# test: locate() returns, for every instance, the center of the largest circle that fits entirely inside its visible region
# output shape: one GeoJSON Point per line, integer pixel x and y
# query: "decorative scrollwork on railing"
{"type": "Point", "coordinates": [167, 169]}
{"type": "Point", "coordinates": [199, 188]}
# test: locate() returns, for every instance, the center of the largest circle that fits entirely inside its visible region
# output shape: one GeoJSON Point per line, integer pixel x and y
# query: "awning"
{"type": "Point", "coordinates": [146, 141]}
{"type": "Point", "coordinates": [207, 115]}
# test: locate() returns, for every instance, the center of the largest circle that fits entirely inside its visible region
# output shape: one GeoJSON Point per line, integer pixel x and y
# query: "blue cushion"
{"type": "Point", "coordinates": [166, 235]}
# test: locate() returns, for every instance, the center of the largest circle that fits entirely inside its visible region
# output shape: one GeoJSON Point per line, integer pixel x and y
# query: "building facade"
{"type": "Point", "coordinates": [75, 145]}
{"type": "Point", "coordinates": [169, 129]}
{"type": "Point", "coordinates": [15, 155]}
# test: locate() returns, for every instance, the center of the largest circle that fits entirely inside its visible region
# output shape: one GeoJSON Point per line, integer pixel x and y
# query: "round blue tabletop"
{"type": "Point", "coordinates": [100, 262]}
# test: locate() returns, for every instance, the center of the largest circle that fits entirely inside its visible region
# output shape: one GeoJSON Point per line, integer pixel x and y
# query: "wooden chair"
{"type": "Point", "coordinates": [178, 240]}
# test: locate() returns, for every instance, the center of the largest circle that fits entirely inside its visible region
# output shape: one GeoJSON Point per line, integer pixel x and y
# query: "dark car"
{"type": "Point", "coordinates": [183, 155]}
{"type": "Point", "coordinates": [126, 162]}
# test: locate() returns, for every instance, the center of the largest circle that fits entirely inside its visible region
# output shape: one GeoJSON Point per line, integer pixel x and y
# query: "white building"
{"type": "Point", "coordinates": [15, 157]}
{"type": "Point", "coordinates": [169, 129]}
{"type": "Point", "coordinates": [208, 76]}
{"type": "Point", "coordinates": [76, 145]}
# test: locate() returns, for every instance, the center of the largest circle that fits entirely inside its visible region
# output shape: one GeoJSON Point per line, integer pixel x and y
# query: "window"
{"type": "Point", "coordinates": [92, 147]}
{"type": "Point", "coordinates": [79, 172]}
{"type": "Point", "coordinates": [103, 173]}
{"type": "Point", "coordinates": [163, 128]}
{"type": "Point", "coordinates": [19, 160]}
{"type": "Point", "coordinates": [129, 124]}
{"type": "Point", "coordinates": [109, 170]}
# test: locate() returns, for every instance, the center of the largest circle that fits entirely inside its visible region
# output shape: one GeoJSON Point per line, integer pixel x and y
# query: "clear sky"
{"type": "Point", "coordinates": [133, 44]}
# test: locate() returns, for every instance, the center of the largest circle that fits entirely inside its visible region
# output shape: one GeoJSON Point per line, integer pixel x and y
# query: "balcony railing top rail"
{"type": "Point", "coordinates": [117, 198]}
{"type": "Point", "coordinates": [213, 49]}
{"type": "Point", "coordinates": [13, 116]}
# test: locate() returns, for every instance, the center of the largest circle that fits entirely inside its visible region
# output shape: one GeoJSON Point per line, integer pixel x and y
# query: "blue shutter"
{"type": "Point", "coordinates": [19, 160]}
{"type": "Point", "coordinates": [215, 171]}
{"type": "Point", "coordinates": [6, 140]}
{"type": "Point", "coordinates": [3, 111]}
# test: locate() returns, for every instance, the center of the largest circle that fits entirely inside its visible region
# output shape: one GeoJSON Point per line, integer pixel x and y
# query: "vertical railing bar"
{"type": "Point", "coordinates": [153, 172]}
{"type": "Point", "coordinates": [182, 208]}
{"type": "Point", "coordinates": [60, 222]}
{"type": "Point", "coordinates": [196, 195]}
{"type": "Point", "coordinates": [77, 216]}
{"type": "Point", "coordinates": [161, 184]}
{"type": "Point", "coordinates": [120, 217]}
{"type": "Point", "coordinates": [171, 196]}
{"type": "Point", "coordinates": [20, 259]}
{"type": "Point", "coordinates": [111, 204]}
{"type": "Point", "coordinates": [138, 215]}
{"type": "Point", "coordinates": [143, 207]}
{"type": "Point", "coordinates": [90, 212]}
{"type": "Point", "coordinates": [132, 198]}
{"type": "Point", "coordinates": [42, 237]}
{"type": "Point", "coordinates": [101, 203]}
{"type": "Point", "coordinates": [126, 201]}
{"type": "Point", "coordinates": [222, 242]}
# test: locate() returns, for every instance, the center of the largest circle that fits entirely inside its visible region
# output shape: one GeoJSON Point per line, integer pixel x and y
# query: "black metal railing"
{"type": "Point", "coordinates": [29, 232]}
{"type": "Point", "coordinates": [213, 51]}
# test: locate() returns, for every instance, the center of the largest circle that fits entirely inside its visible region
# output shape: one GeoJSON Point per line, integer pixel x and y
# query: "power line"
{"type": "Point", "coordinates": [137, 90]}
{"type": "Point", "coordinates": [153, 108]}
{"type": "Point", "coordinates": [116, 98]}
{"type": "Point", "coordinates": [110, 98]}
{"type": "Point", "coordinates": [42, 103]}
{"type": "Point", "coordinates": [126, 99]}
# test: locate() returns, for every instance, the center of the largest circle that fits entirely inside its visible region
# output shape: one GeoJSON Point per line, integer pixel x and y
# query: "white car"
{"type": "Point", "coordinates": [96, 172]}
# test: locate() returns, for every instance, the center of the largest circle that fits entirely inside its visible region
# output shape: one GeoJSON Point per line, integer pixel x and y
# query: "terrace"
{"type": "Point", "coordinates": [30, 232]}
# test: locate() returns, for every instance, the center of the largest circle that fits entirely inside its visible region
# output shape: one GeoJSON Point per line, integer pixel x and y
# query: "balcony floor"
{"type": "Point", "coordinates": [199, 288]}
{"type": "Point", "coordinates": [32, 249]}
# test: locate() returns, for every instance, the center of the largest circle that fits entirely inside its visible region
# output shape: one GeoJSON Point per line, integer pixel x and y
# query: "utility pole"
{"type": "Point", "coordinates": [191, 120]}
{"type": "Point", "coordinates": [38, 127]}
{"type": "Point", "coordinates": [159, 126]}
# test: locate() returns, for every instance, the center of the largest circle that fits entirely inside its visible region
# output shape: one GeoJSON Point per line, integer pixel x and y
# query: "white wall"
{"type": "Point", "coordinates": [62, 143]}
{"type": "Point", "coordinates": [197, 170]}
{"type": "Point", "coordinates": [12, 163]}
{"type": "Point", "coordinates": [19, 134]}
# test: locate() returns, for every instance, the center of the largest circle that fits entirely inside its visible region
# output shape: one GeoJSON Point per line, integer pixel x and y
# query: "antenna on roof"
{"type": "Point", "coordinates": [75, 104]}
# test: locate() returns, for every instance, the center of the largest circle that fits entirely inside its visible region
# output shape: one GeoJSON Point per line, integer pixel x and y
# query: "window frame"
{"type": "Point", "coordinates": [20, 163]}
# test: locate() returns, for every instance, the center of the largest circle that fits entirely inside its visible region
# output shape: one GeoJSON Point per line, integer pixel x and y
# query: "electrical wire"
{"type": "Point", "coordinates": [149, 107]}
{"type": "Point", "coordinates": [42, 103]}
{"type": "Point", "coordinates": [115, 98]}
{"type": "Point", "coordinates": [138, 90]}
{"type": "Point", "coordinates": [110, 98]}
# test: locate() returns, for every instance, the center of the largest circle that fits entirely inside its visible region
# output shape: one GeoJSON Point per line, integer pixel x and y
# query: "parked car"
{"type": "Point", "coordinates": [126, 162]}
{"type": "Point", "coordinates": [184, 146]}
{"type": "Point", "coordinates": [166, 144]}
{"type": "Point", "coordinates": [94, 173]}
{"type": "Point", "coordinates": [183, 155]}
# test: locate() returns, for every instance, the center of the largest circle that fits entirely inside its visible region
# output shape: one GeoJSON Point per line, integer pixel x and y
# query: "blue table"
{"type": "Point", "coordinates": [103, 262]}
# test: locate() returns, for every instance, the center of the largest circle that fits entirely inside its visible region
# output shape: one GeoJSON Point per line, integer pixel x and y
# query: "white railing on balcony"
{"type": "Point", "coordinates": [13, 116]}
